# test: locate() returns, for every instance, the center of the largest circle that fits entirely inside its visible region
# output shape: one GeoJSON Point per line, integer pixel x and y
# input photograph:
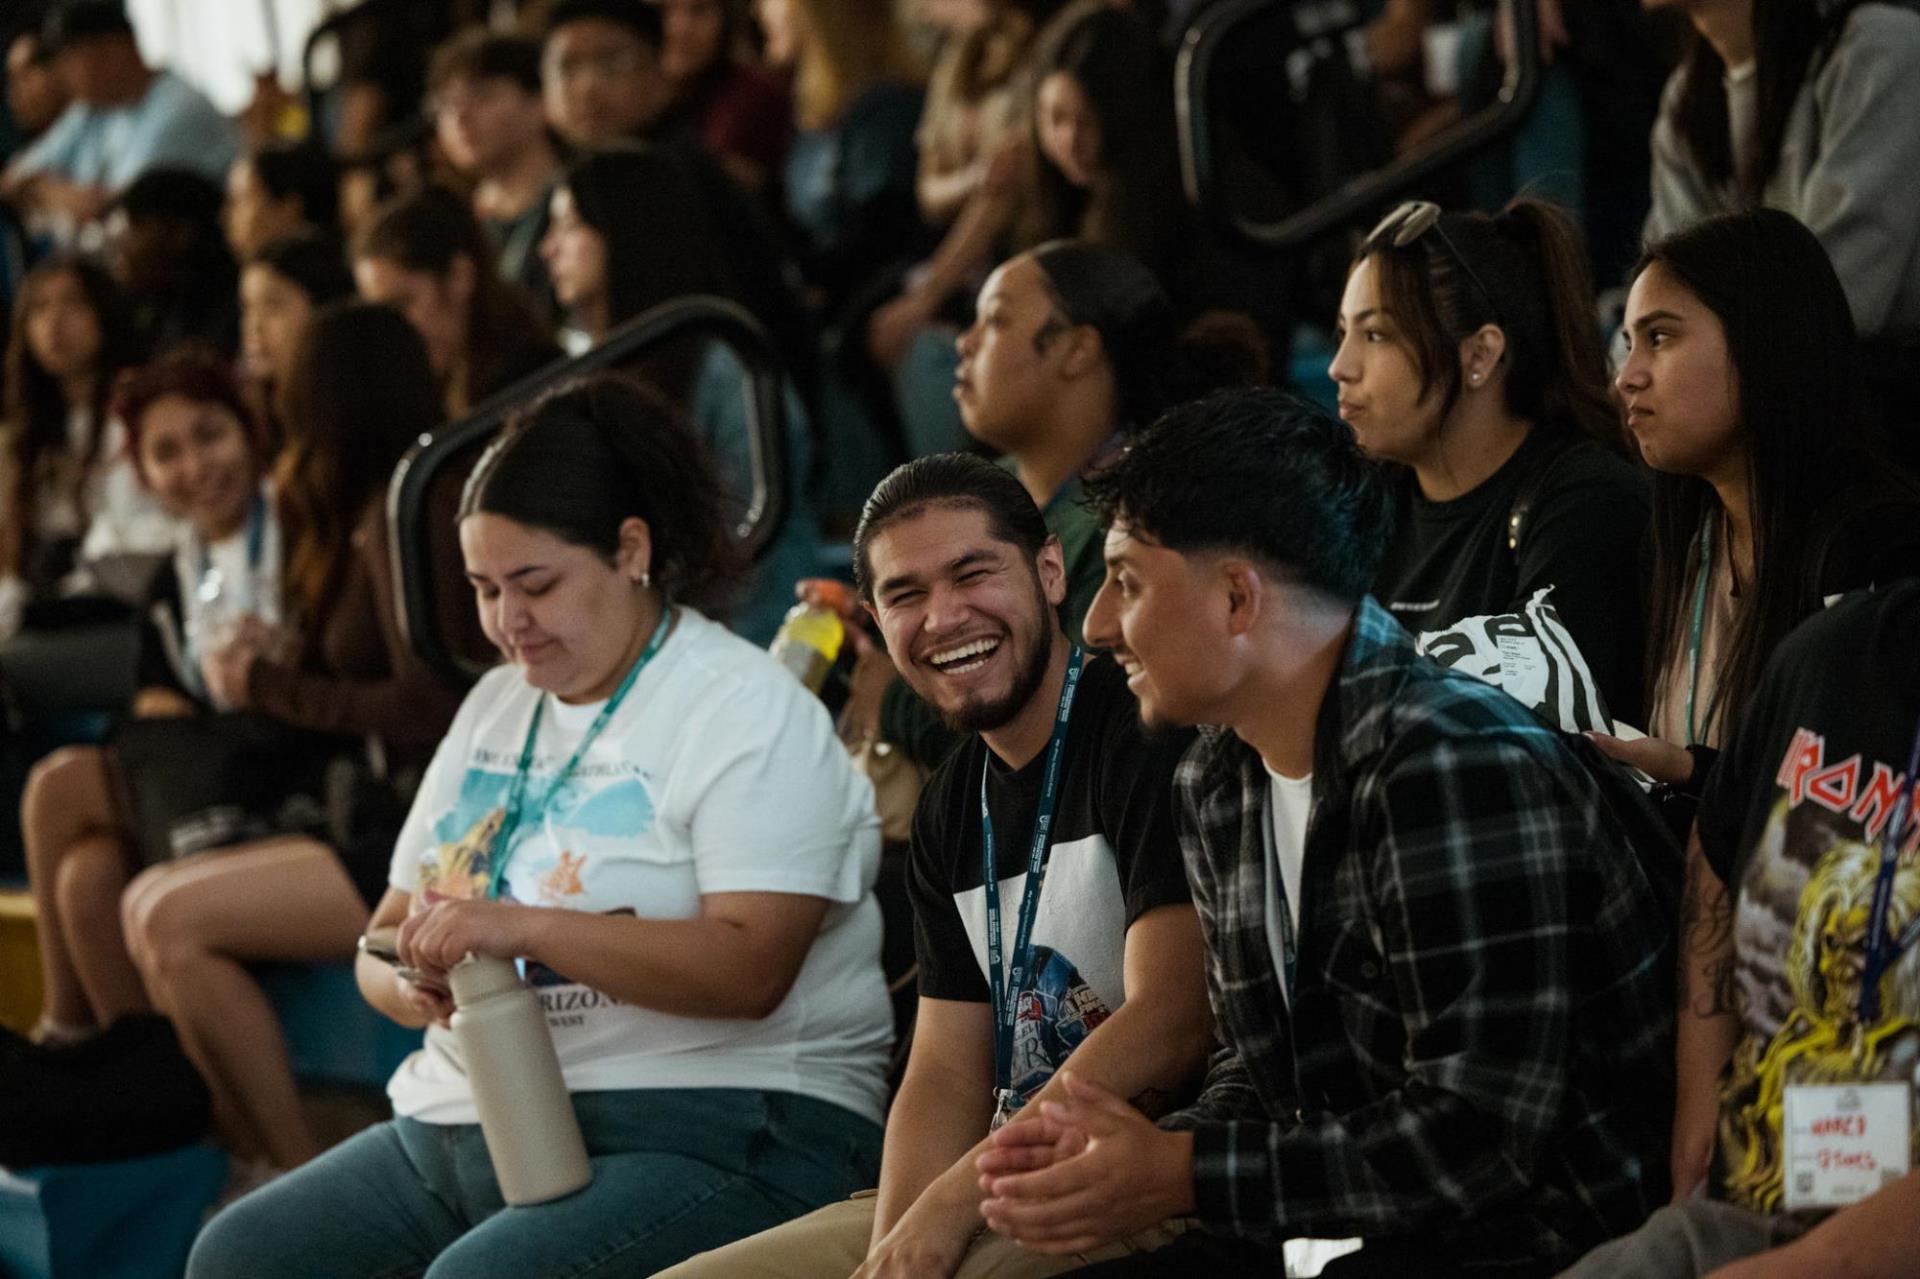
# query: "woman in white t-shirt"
{"type": "Point", "coordinates": [688, 885]}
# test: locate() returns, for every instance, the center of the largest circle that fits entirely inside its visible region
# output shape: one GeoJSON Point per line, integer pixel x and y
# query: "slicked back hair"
{"type": "Point", "coordinates": [951, 481]}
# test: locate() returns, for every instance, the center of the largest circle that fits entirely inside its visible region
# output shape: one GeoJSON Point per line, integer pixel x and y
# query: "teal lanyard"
{"type": "Point", "coordinates": [1704, 573]}
{"type": "Point", "coordinates": [1883, 952]}
{"type": "Point", "coordinates": [517, 811]}
{"type": "Point", "coordinates": [1006, 992]}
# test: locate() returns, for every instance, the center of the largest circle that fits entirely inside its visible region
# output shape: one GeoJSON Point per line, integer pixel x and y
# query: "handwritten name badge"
{"type": "Point", "coordinates": [1845, 1141]}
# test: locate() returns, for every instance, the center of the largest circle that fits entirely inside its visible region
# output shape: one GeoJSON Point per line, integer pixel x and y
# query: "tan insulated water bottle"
{"type": "Point", "coordinates": [526, 1117]}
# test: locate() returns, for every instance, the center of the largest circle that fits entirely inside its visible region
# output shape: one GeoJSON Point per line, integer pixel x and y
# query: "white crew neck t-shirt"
{"type": "Point", "coordinates": [720, 773]}
{"type": "Point", "coordinates": [1289, 805]}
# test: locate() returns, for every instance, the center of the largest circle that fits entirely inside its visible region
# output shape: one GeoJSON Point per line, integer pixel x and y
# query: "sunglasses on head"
{"type": "Point", "coordinates": [1408, 223]}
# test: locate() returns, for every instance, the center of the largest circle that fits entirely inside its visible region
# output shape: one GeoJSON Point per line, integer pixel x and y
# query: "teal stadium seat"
{"type": "Point", "coordinates": [132, 1219]}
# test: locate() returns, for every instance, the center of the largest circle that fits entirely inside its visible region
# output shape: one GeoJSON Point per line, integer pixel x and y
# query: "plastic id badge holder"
{"type": "Point", "coordinates": [1845, 1141]}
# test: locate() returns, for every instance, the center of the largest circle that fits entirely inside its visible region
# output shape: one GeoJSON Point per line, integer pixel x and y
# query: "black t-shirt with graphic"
{"type": "Point", "coordinates": [1581, 535]}
{"type": "Point", "coordinates": [1114, 856]}
{"type": "Point", "coordinates": [1791, 821]}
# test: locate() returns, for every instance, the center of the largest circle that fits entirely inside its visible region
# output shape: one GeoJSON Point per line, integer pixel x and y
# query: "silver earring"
{"type": "Point", "coordinates": [646, 579]}
{"type": "Point", "coordinates": [1475, 379]}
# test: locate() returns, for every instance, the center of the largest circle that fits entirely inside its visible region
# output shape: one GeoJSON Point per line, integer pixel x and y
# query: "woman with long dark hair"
{"type": "Point", "coordinates": [334, 673]}
{"type": "Point", "coordinates": [1809, 108]}
{"type": "Point", "coordinates": [690, 889]}
{"type": "Point", "coordinates": [1768, 497]}
{"type": "Point", "coordinates": [281, 286]}
{"type": "Point", "coordinates": [67, 492]}
{"type": "Point", "coordinates": [630, 230]}
{"type": "Point", "coordinates": [426, 255]}
{"type": "Point", "coordinates": [1469, 361]}
{"type": "Point", "coordinates": [742, 112]}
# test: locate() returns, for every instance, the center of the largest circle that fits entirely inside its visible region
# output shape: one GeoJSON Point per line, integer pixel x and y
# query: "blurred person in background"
{"type": "Point", "coordinates": [742, 112]}
{"type": "Point", "coordinates": [426, 255]}
{"type": "Point", "coordinates": [124, 118]}
{"type": "Point", "coordinates": [631, 231]}
{"type": "Point", "coordinates": [278, 190]}
{"type": "Point", "coordinates": [282, 284]}
{"type": "Point", "coordinates": [850, 170]}
{"type": "Point", "coordinates": [601, 71]}
{"type": "Point", "coordinates": [68, 494]}
{"type": "Point", "coordinates": [168, 251]}
{"type": "Point", "coordinates": [484, 94]}
{"type": "Point", "coordinates": [195, 447]}
{"type": "Point", "coordinates": [335, 670]}
{"type": "Point", "coordinates": [35, 93]}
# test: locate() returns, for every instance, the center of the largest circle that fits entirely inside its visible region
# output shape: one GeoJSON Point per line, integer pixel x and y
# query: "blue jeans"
{"type": "Point", "coordinates": [675, 1172]}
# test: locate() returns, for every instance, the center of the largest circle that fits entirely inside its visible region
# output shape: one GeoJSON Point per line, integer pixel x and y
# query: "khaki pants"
{"type": "Point", "coordinates": [831, 1244]}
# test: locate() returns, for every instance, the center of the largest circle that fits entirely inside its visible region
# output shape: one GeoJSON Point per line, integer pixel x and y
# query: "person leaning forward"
{"type": "Point", "coordinates": [1098, 958]}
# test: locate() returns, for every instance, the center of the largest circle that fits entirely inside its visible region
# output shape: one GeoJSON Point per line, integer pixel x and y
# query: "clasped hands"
{"type": "Point", "coordinates": [1083, 1173]}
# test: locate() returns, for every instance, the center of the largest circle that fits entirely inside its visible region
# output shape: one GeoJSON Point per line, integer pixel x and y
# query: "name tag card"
{"type": "Point", "coordinates": [1845, 1141]}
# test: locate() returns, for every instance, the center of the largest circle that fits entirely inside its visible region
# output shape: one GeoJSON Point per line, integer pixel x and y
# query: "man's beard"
{"type": "Point", "coordinates": [1030, 670]}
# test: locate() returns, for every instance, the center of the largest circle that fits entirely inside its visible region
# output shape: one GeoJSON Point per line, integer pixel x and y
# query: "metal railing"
{"type": "Point", "coordinates": [407, 493]}
{"type": "Point", "coordinates": [1362, 195]}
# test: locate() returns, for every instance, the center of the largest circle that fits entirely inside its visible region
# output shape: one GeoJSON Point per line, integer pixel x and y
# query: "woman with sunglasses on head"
{"type": "Point", "coordinates": [656, 818]}
{"type": "Point", "coordinates": [1469, 359]}
{"type": "Point", "coordinates": [1769, 496]}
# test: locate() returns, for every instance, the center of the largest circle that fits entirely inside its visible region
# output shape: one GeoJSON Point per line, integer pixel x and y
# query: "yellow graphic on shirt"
{"type": "Point", "coordinates": [462, 867]}
{"type": "Point", "coordinates": [1822, 1039]}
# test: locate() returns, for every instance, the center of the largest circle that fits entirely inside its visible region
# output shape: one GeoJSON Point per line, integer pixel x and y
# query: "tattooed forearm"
{"type": "Point", "coordinates": [1707, 968]}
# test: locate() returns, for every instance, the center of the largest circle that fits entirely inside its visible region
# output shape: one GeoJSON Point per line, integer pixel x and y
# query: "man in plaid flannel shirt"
{"type": "Point", "coordinates": [1471, 1068]}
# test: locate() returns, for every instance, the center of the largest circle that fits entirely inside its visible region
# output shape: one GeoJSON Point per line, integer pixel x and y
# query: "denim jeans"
{"type": "Point", "coordinates": [675, 1172]}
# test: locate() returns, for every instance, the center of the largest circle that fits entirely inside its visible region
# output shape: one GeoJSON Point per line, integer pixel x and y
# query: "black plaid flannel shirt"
{"type": "Point", "coordinates": [1480, 1048]}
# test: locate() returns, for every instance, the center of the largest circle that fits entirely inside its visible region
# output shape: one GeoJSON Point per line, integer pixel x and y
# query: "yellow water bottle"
{"type": "Point", "coordinates": [809, 641]}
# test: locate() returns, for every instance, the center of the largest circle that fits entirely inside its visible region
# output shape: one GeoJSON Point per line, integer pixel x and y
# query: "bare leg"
{"type": "Point", "coordinates": [77, 863]}
{"type": "Point", "coordinates": [196, 923]}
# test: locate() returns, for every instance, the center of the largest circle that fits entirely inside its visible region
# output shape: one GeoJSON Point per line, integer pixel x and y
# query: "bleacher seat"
{"type": "Point", "coordinates": [133, 1219]}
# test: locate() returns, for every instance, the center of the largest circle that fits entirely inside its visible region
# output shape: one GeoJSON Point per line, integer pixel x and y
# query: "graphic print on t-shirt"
{"type": "Point", "coordinates": [1801, 935]}
{"type": "Point", "coordinates": [599, 807]}
{"type": "Point", "coordinates": [603, 806]}
{"type": "Point", "coordinates": [1079, 936]}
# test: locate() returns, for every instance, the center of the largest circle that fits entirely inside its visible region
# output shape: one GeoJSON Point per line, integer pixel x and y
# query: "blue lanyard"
{"type": "Point", "coordinates": [1704, 572]}
{"type": "Point", "coordinates": [517, 811]}
{"type": "Point", "coordinates": [1882, 953]}
{"type": "Point", "coordinates": [1006, 992]}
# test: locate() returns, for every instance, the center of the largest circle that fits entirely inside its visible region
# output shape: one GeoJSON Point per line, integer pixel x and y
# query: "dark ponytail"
{"type": "Point", "coordinates": [1526, 274]}
{"type": "Point", "coordinates": [580, 460]}
{"type": "Point", "coordinates": [1567, 375]}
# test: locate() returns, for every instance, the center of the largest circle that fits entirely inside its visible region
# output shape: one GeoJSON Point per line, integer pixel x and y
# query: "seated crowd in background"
{"type": "Point", "coordinates": [1305, 812]}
